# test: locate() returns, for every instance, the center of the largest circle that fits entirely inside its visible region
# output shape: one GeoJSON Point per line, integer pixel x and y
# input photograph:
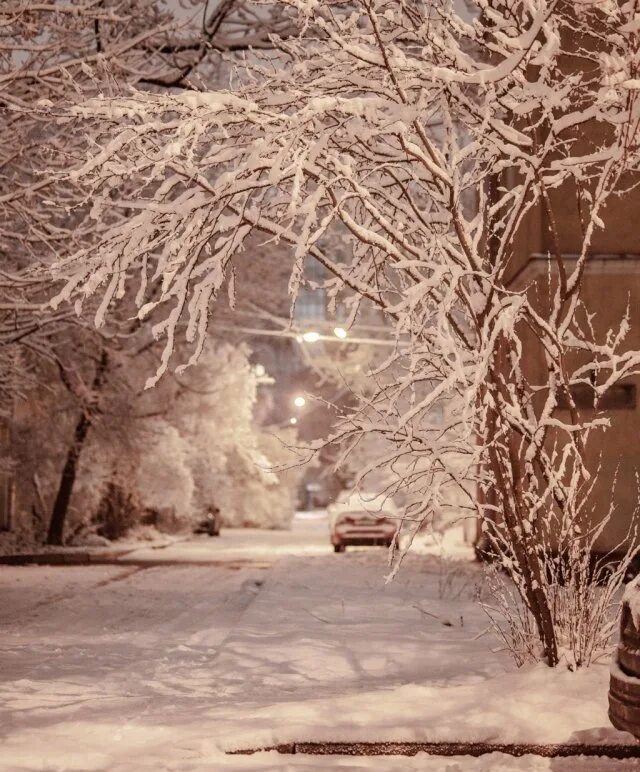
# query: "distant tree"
{"type": "Point", "coordinates": [53, 53]}
{"type": "Point", "coordinates": [183, 447]}
{"type": "Point", "coordinates": [236, 464]}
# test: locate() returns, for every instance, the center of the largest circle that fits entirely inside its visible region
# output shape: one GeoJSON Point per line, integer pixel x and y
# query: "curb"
{"type": "Point", "coordinates": [63, 558]}
{"type": "Point", "coordinates": [80, 557]}
{"type": "Point", "coordinates": [558, 750]}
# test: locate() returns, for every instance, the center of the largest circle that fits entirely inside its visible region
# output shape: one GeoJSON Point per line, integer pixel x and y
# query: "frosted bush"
{"type": "Point", "coordinates": [163, 478]}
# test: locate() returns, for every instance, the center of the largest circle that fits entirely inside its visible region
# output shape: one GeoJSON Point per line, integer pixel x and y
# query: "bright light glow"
{"type": "Point", "coordinates": [259, 370]}
{"type": "Point", "coordinates": [340, 332]}
{"type": "Point", "coordinates": [293, 420]}
{"type": "Point", "coordinates": [299, 401]}
{"type": "Point", "coordinates": [311, 337]}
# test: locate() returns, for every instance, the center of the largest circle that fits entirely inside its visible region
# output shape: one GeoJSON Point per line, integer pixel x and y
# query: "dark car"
{"type": "Point", "coordinates": [210, 524]}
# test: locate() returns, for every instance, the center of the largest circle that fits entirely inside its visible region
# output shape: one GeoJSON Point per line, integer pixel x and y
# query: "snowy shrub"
{"type": "Point", "coordinates": [163, 480]}
{"type": "Point", "coordinates": [582, 589]}
{"type": "Point", "coordinates": [117, 512]}
{"type": "Point", "coordinates": [260, 489]}
{"type": "Point", "coordinates": [287, 461]}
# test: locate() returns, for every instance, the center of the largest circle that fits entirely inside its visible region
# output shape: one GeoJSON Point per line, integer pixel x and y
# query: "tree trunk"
{"type": "Point", "coordinates": [527, 571]}
{"type": "Point", "coordinates": [68, 478]}
{"type": "Point", "coordinates": [61, 504]}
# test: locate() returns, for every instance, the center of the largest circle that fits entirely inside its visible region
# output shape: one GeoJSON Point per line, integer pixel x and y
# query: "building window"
{"type": "Point", "coordinates": [622, 396]}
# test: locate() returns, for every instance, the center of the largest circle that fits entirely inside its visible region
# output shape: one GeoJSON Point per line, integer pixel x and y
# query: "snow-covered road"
{"type": "Point", "coordinates": [148, 667]}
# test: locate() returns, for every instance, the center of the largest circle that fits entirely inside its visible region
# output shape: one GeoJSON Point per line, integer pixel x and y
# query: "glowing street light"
{"type": "Point", "coordinates": [299, 401]}
{"type": "Point", "coordinates": [311, 337]}
{"type": "Point", "coordinates": [340, 332]}
{"type": "Point", "coordinates": [293, 420]}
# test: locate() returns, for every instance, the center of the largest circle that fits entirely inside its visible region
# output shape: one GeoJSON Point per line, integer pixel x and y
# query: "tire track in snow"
{"type": "Point", "coordinates": [77, 590]}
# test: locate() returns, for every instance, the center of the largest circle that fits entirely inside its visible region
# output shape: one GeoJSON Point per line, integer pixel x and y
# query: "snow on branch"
{"type": "Point", "coordinates": [422, 142]}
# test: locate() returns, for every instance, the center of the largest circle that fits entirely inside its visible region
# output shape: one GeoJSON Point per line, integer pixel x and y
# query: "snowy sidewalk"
{"type": "Point", "coordinates": [332, 654]}
{"type": "Point", "coordinates": [127, 668]}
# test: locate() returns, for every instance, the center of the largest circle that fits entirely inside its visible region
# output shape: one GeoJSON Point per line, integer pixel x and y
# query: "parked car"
{"type": "Point", "coordinates": [362, 519]}
{"type": "Point", "coordinates": [210, 524]}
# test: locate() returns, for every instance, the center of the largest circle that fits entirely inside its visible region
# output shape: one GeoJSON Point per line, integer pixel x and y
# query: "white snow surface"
{"type": "Point", "coordinates": [128, 667]}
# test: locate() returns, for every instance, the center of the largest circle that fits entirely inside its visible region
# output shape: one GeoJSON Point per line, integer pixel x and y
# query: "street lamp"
{"type": "Point", "coordinates": [340, 332]}
{"type": "Point", "coordinates": [299, 401]}
{"type": "Point", "coordinates": [293, 420]}
{"type": "Point", "coordinates": [311, 337]}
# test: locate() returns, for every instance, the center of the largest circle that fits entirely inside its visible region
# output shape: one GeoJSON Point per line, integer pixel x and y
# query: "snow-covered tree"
{"type": "Point", "coordinates": [236, 465]}
{"type": "Point", "coordinates": [425, 138]}
{"type": "Point", "coordinates": [163, 478]}
{"type": "Point", "coordinates": [53, 52]}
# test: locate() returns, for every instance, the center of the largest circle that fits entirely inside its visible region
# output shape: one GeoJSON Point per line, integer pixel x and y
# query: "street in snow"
{"type": "Point", "coordinates": [168, 667]}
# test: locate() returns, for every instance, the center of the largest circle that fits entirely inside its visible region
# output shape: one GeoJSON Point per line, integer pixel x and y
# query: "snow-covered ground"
{"type": "Point", "coordinates": [128, 667]}
{"type": "Point", "coordinates": [308, 535]}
